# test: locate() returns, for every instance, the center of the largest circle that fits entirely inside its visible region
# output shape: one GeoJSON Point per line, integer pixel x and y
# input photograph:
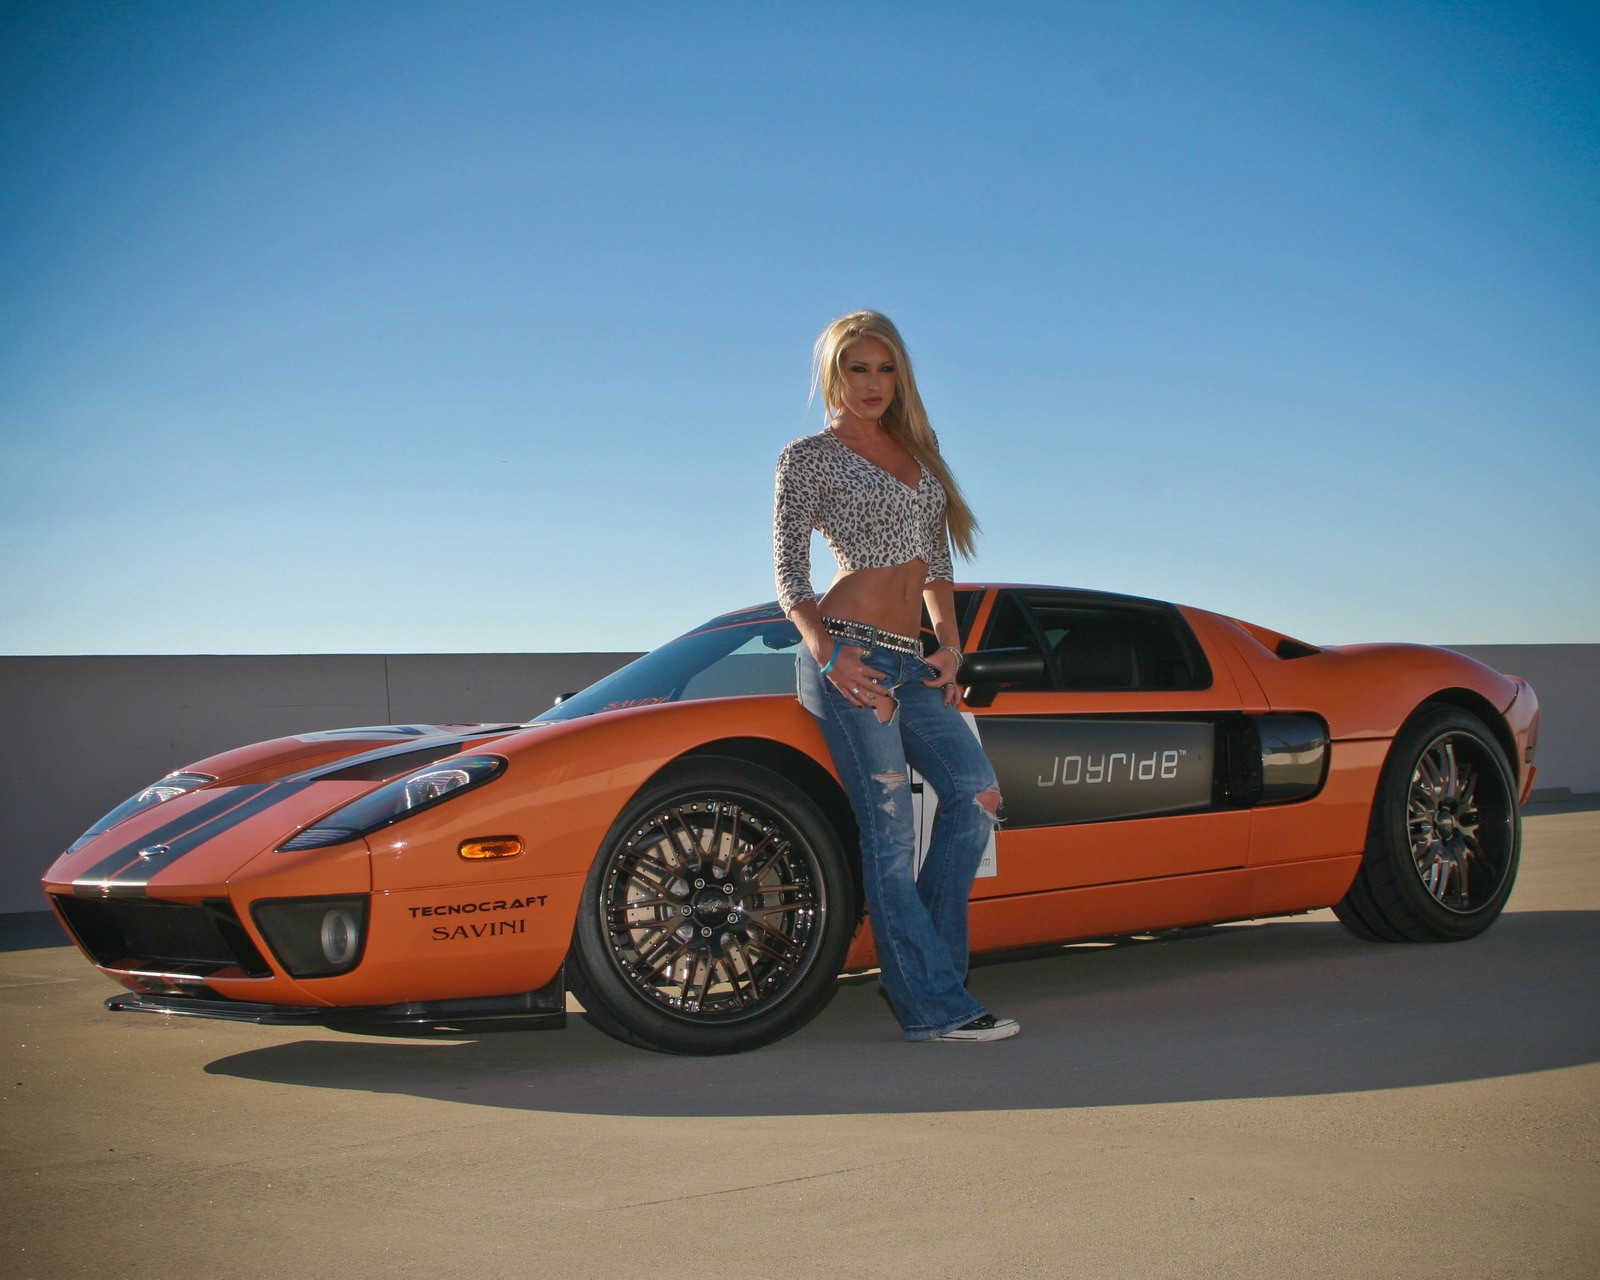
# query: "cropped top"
{"type": "Point", "coordinates": [870, 519]}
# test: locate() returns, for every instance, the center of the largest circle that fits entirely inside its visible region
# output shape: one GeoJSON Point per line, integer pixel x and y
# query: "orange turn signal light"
{"type": "Point", "coordinates": [492, 847]}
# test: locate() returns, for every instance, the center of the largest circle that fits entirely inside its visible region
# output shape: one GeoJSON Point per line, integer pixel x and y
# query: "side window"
{"type": "Point", "coordinates": [1098, 644]}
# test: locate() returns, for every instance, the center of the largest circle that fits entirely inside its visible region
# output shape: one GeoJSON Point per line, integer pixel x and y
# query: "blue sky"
{"type": "Point", "coordinates": [415, 327]}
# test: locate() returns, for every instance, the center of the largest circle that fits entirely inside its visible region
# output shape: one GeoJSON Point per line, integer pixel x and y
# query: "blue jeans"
{"type": "Point", "coordinates": [919, 919]}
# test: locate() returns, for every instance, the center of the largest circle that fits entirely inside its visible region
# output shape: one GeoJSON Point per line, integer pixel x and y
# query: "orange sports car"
{"type": "Point", "coordinates": [672, 843]}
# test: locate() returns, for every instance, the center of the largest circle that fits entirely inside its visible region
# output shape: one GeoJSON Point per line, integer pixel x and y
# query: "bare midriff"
{"type": "Point", "coordinates": [889, 598]}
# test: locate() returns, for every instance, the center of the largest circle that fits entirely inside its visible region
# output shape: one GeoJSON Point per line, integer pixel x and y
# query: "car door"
{"type": "Point", "coordinates": [1112, 764]}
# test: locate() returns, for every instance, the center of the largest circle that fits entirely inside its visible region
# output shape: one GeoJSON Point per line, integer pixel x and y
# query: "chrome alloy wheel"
{"type": "Point", "coordinates": [713, 908]}
{"type": "Point", "coordinates": [1460, 820]}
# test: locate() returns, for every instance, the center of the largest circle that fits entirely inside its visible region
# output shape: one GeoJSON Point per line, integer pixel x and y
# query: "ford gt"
{"type": "Point", "coordinates": [673, 846]}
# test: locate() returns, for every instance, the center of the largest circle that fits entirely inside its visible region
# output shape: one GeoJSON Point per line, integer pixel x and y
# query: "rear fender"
{"type": "Point", "coordinates": [1367, 690]}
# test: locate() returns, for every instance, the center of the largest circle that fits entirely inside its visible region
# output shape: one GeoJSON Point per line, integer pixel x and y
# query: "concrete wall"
{"type": "Point", "coordinates": [82, 734]}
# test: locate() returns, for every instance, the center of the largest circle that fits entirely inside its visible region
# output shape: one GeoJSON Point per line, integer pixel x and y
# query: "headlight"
{"type": "Point", "coordinates": [399, 799]}
{"type": "Point", "coordinates": [314, 937]}
{"type": "Point", "coordinates": [174, 784]}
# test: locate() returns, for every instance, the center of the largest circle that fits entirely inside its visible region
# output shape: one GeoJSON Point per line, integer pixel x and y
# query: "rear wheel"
{"type": "Point", "coordinates": [717, 915]}
{"type": "Point", "coordinates": [1445, 837]}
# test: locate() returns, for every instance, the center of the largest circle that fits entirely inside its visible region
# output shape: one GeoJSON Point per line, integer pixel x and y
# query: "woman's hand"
{"type": "Point", "coordinates": [854, 678]}
{"type": "Point", "coordinates": [945, 663]}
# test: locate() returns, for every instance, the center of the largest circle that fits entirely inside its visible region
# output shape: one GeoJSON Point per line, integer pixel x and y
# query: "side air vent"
{"type": "Point", "coordinates": [1276, 758]}
{"type": "Point", "coordinates": [392, 766]}
{"type": "Point", "coordinates": [317, 838]}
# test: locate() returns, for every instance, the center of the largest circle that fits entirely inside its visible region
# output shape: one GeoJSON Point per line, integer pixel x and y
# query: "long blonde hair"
{"type": "Point", "coordinates": [905, 420]}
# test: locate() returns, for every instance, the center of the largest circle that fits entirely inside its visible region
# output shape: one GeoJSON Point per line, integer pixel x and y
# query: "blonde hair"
{"type": "Point", "coordinates": [905, 420]}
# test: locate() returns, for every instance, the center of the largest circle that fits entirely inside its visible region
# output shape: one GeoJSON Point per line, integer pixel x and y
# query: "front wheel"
{"type": "Point", "coordinates": [717, 914]}
{"type": "Point", "coordinates": [1445, 837]}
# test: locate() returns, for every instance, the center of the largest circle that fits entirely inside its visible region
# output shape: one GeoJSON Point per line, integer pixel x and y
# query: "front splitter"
{"type": "Point", "coordinates": [543, 1010]}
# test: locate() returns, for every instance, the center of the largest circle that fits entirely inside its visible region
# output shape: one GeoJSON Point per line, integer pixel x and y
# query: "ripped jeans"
{"type": "Point", "coordinates": [919, 920]}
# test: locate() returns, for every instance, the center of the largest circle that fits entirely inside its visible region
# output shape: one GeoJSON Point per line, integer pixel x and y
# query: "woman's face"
{"type": "Point", "coordinates": [869, 373]}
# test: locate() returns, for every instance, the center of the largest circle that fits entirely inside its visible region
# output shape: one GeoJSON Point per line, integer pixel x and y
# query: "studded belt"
{"type": "Point", "coordinates": [867, 634]}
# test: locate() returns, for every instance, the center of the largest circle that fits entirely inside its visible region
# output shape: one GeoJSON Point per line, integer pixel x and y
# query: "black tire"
{"type": "Point", "coordinates": [1445, 836]}
{"type": "Point", "coordinates": [717, 915]}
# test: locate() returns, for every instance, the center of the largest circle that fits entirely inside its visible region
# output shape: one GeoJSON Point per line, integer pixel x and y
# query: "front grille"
{"type": "Point", "coordinates": [140, 933]}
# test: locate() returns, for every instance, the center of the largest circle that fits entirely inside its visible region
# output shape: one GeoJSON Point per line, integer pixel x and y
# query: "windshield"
{"type": "Point", "coordinates": [729, 657]}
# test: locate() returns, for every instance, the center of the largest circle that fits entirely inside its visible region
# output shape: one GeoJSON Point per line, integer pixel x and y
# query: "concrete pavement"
{"type": "Point", "coordinates": [1254, 1100]}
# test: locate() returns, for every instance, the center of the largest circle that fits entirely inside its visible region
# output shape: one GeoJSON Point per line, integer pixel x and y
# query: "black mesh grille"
{"type": "Point", "coordinates": [141, 933]}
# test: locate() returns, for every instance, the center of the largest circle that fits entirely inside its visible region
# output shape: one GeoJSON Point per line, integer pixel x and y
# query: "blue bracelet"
{"type": "Point", "coordinates": [832, 657]}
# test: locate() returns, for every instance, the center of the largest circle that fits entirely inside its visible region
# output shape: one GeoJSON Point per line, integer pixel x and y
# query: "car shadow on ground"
{"type": "Point", "coordinates": [1279, 1009]}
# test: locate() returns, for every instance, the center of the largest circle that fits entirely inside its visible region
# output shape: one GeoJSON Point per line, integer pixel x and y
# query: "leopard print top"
{"type": "Point", "coordinates": [870, 519]}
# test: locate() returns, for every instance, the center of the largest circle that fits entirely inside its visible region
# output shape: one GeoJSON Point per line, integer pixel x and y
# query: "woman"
{"type": "Point", "coordinates": [876, 486]}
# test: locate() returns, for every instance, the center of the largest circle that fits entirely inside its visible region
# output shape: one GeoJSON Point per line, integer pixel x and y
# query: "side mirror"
{"type": "Point", "coordinates": [984, 671]}
{"type": "Point", "coordinates": [562, 697]}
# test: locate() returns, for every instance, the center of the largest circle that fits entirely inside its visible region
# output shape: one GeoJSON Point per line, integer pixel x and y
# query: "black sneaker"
{"type": "Point", "coordinates": [986, 1027]}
